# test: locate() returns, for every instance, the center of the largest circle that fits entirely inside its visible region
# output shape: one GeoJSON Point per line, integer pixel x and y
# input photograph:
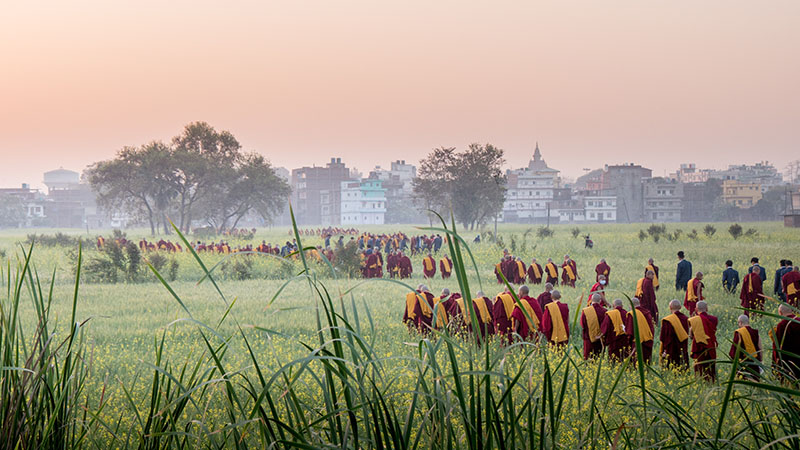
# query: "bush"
{"type": "Point", "coordinates": [642, 235]}
{"type": "Point", "coordinates": [238, 268]}
{"type": "Point", "coordinates": [709, 230]}
{"type": "Point", "coordinates": [173, 269]}
{"type": "Point", "coordinates": [513, 243]}
{"type": "Point", "coordinates": [56, 240]}
{"type": "Point", "coordinates": [544, 232]}
{"type": "Point", "coordinates": [575, 232]}
{"type": "Point", "coordinates": [751, 232]}
{"type": "Point", "coordinates": [735, 231]}
{"type": "Point", "coordinates": [348, 261]}
{"type": "Point", "coordinates": [692, 235]}
{"type": "Point", "coordinates": [158, 261]}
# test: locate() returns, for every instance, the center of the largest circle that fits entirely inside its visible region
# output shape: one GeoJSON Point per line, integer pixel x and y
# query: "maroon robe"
{"type": "Point", "coordinates": [425, 323]}
{"type": "Point", "coordinates": [532, 274]}
{"type": "Point", "coordinates": [747, 367]}
{"type": "Point", "coordinates": [675, 353]}
{"type": "Point", "coordinates": [518, 277]}
{"type": "Point", "coordinates": [592, 349]}
{"type": "Point", "coordinates": [446, 271]}
{"type": "Point", "coordinates": [466, 322]}
{"type": "Point", "coordinates": [547, 322]}
{"type": "Point", "coordinates": [565, 279]}
{"type": "Point", "coordinates": [519, 316]}
{"type": "Point", "coordinates": [647, 346]}
{"type": "Point", "coordinates": [791, 279]}
{"type": "Point", "coordinates": [404, 264]}
{"type": "Point", "coordinates": [543, 299]}
{"type": "Point", "coordinates": [372, 266]}
{"type": "Point", "coordinates": [648, 298]}
{"type": "Point", "coordinates": [602, 269]}
{"type": "Point", "coordinates": [600, 289]}
{"type": "Point", "coordinates": [618, 345]}
{"type": "Point", "coordinates": [752, 294]}
{"type": "Point", "coordinates": [426, 272]}
{"type": "Point", "coordinates": [548, 278]}
{"type": "Point", "coordinates": [704, 355]}
{"type": "Point", "coordinates": [785, 345]}
{"type": "Point", "coordinates": [502, 321]}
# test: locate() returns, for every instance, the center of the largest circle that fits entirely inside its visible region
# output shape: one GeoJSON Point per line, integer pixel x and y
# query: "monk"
{"type": "Point", "coordinates": [442, 304]}
{"type": "Point", "coordinates": [599, 288]}
{"type": "Point", "coordinates": [535, 272]}
{"type": "Point", "coordinates": [428, 266]}
{"type": "Point", "coordinates": [404, 266]}
{"type": "Point", "coordinates": [646, 294]}
{"type": "Point", "coordinates": [419, 309]}
{"type": "Point", "coordinates": [372, 268]}
{"type": "Point", "coordinates": [675, 338]}
{"type": "Point", "coordinates": [694, 293]}
{"type": "Point", "coordinates": [520, 271]}
{"type": "Point", "coordinates": [613, 333]}
{"type": "Point", "coordinates": [498, 270]}
{"type": "Point", "coordinates": [602, 269]}
{"type": "Point", "coordinates": [786, 345]}
{"type": "Point", "coordinates": [752, 295]}
{"type": "Point", "coordinates": [790, 282]}
{"type": "Point", "coordinates": [749, 349]}
{"type": "Point", "coordinates": [481, 311]}
{"type": "Point", "coordinates": [545, 297]}
{"type": "Point", "coordinates": [503, 308]}
{"type": "Point", "coordinates": [551, 271]}
{"type": "Point", "coordinates": [703, 329]}
{"type": "Point", "coordinates": [569, 272]}
{"type": "Point", "coordinates": [645, 329]}
{"type": "Point", "coordinates": [555, 325]}
{"type": "Point", "coordinates": [446, 267]}
{"type": "Point", "coordinates": [652, 266]}
{"type": "Point", "coordinates": [592, 317]}
{"type": "Point", "coordinates": [526, 320]}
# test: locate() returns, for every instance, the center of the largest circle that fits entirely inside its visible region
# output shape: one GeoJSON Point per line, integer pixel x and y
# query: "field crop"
{"type": "Point", "coordinates": [299, 357]}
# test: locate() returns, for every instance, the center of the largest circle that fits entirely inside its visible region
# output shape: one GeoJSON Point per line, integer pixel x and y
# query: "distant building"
{"type": "Point", "coordinates": [600, 208]}
{"type": "Point", "coordinates": [570, 211]}
{"type": "Point", "coordinates": [363, 202]}
{"type": "Point", "coordinates": [399, 184]}
{"type": "Point", "coordinates": [742, 195]}
{"type": "Point", "coordinates": [316, 193]}
{"type": "Point", "coordinates": [689, 173]}
{"type": "Point", "coordinates": [531, 191]}
{"type": "Point", "coordinates": [72, 204]}
{"type": "Point", "coordinates": [763, 174]}
{"type": "Point", "coordinates": [791, 217]}
{"type": "Point", "coordinates": [27, 203]}
{"type": "Point", "coordinates": [663, 200]}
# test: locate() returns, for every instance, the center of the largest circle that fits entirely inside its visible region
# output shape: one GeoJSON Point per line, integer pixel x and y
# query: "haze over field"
{"type": "Point", "coordinates": [658, 84]}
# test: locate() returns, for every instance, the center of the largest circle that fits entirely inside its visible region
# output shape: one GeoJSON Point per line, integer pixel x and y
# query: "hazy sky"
{"type": "Point", "coordinates": [656, 82]}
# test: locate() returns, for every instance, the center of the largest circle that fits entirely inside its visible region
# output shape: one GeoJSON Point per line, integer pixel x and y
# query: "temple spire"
{"type": "Point", "coordinates": [537, 155]}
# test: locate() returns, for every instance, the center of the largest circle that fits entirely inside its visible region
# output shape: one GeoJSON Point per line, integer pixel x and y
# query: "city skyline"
{"type": "Point", "coordinates": [711, 83]}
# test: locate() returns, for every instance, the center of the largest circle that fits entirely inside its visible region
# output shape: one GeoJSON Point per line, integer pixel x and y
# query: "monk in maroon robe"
{"type": "Point", "coordinates": [551, 272]}
{"type": "Point", "coordinates": [428, 266]}
{"type": "Point", "coordinates": [526, 327]}
{"type": "Point", "coordinates": [519, 271]}
{"type": "Point", "coordinates": [446, 267]}
{"type": "Point", "coordinates": [545, 297]}
{"type": "Point", "coordinates": [703, 328]}
{"type": "Point", "coordinates": [555, 321]}
{"type": "Point", "coordinates": [602, 269]}
{"type": "Point", "coordinates": [372, 266]}
{"type": "Point", "coordinates": [615, 338]}
{"type": "Point", "coordinates": [535, 272]}
{"type": "Point", "coordinates": [646, 293]}
{"type": "Point", "coordinates": [786, 345]}
{"type": "Point", "coordinates": [404, 266]}
{"type": "Point", "coordinates": [569, 272]}
{"type": "Point", "coordinates": [599, 288]}
{"type": "Point", "coordinates": [748, 345]}
{"type": "Point", "coordinates": [503, 308]}
{"type": "Point", "coordinates": [481, 305]}
{"type": "Point", "coordinates": [498, 271]}
{"type": "Point", "coordinates": [591, 320]}
{"type": "Point", "coordinates": [646, 330]}
{"type": "Point", "coordinates": [790, 282]}
{"type": "Point", "coordinates": [694, 293]}
{"type": "Point", "coordinates": [675, 338]}
{"type": "Point", "coordinates": [752, 294]}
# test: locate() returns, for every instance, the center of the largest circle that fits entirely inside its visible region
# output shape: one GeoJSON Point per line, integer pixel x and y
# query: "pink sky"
{"type": "Point", "coordinates": [655, 82]}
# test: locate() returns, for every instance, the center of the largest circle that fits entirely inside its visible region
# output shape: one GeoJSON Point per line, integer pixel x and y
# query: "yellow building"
{"type": "Point", "coordinates": [743, 195]}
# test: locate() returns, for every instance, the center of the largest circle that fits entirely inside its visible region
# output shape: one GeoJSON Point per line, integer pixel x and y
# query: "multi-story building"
{"type": "Point", "coordinates": [399, 184]}
{"type": "Point", "coordinates": [742, 195]}
{"type": "Point", "coordinates": [625, 183]}
{"type": "Point", "coordinates": [25, 206]}
{"type": "Point", "coordinates": [763, 174]}
{"type": "Point", "coordinates": [689, 173]}
{"type": "Point", "coordinates": [600, 208]}
{"type": "Point", "coordinates": [316, 193]}
{"type": "Point", "coordinates": [570, 211]}
{"type": "Point", "coordinates": [363, 202]}
{"type": "Point", "coordinates": [663, 200]}
{"type": "Point", "coordinates": [531, 191]}
{"type": "Point", "coordinates": [72, 204]}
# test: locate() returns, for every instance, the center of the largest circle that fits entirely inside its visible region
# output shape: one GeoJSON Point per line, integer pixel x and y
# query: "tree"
{"type": "Point", "coordinates": [12, 211]}
{"type": "Point", "coordinates": [471, 184]}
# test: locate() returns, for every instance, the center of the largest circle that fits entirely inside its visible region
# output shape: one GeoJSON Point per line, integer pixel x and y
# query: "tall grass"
{"type": "Point", "coordinates": [344, 392]}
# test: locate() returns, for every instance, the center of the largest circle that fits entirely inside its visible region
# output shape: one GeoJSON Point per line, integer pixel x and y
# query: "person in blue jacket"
{"type": "Point", "coordinates": [730, 278]}
{"type": "Point", "coordinates": [684, 272]}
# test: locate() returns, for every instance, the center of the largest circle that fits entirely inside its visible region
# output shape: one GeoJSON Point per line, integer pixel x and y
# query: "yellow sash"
{"type": "Point", "coordinates": [411, 298]}
{"type": "Point", "coordinates": [750, 283]}
{"type": "Point", "coordinates": [482, 309]}
{"type": "Point", "coordinates": [677, 326]}
{"type": "Point", "coordinates": [424, 305]}
{"type": "Point", "coordinates": [644, 328]}
{"type": "Point", "coordinates": [428, 263]}
{"type": "Point", "coordinates": [508, 303]}
{"type": "Point", "coordinates": [616, 319]}
{"type": "Point", "coordinates": [747, 340]}
{"type": "Point", "coordinates": [533, 321]}
{"type": "Point", "coordinates": [592, 323]}
{"type": "Point", "coordinates": [497, 268]}
{"type": "Point", "coordinates": [655, 277]}
{"type": "Point", "coordinates": [698, 330]}
{"type": "Point", "coordinates": [691, 292]}
{"type": "Point", "coordinates": [551, 270]}
{"type": "Point", "coordinates": [521, 268]}
{"type": "Point", "coordinates": [446, 264]}
{"type": "Point", "coordinates": [570, 273]}
{"type": "Point", "coordinates": [536, 272]}
{"type": "Point", "coordinates": [639, 290]}
{"type": "Point", "coordinates": [559, 331]}
{"type": "Point", "coordinates": [791, 289]}
{"type": "Point", "coordinates": [441, 314]}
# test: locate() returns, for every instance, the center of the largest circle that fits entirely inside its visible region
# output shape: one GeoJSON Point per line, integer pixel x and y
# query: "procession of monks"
{"type": "Point", "coordinates": [607, 327]}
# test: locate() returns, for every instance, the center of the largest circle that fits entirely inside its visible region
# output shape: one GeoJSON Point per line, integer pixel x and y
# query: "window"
{"type": "Point", "coordinates": [591, 215]}
{"type": "Point", "coordinates": [608, 215]}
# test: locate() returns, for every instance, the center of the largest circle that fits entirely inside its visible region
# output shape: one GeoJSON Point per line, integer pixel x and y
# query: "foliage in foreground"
{"type": "Point", "coordinates": [346, 393]}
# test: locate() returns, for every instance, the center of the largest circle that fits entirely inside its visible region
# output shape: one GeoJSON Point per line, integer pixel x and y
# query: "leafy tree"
{"type": "Point", "coordinates": [709, 230]}
{"type": "Point", "coordinates": [735, 231]}
{"type": "Point", "coordinates": [12, 211]}
{"type": "Point", "coordinates": [471, 183]}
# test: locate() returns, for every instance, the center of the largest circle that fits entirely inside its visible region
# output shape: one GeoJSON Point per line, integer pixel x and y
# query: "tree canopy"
{"type": "Point", "coordinates": [470, 183]}
{"type": "Point", "coordinates": [201, 176]}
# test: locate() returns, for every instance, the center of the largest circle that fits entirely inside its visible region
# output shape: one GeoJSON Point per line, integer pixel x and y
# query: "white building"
{"type": "Point", "coordinates": [363, 202]}
{"type": "Point", "coordinates": [600, 208]}
{"type": "Point", "coordinates": [530, 191]}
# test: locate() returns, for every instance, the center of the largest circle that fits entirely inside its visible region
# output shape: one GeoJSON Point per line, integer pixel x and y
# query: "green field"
{"type": "Point", "coordinates": [541, 396]}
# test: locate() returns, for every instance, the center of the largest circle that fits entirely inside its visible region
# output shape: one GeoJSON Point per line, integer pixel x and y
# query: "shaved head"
{"type": "Point", "coordinates": [617, 303]}
{"type": "Point", "coordinates": [675, 305]}
{"type": "Point", "coordinates": [702, 306]}
{"type": "Point", "coordinates": [596, 298]}
{"type": "Point", "coordinates": [743, 320]}
{"type": "Point", "coordinates": [523, 290]}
